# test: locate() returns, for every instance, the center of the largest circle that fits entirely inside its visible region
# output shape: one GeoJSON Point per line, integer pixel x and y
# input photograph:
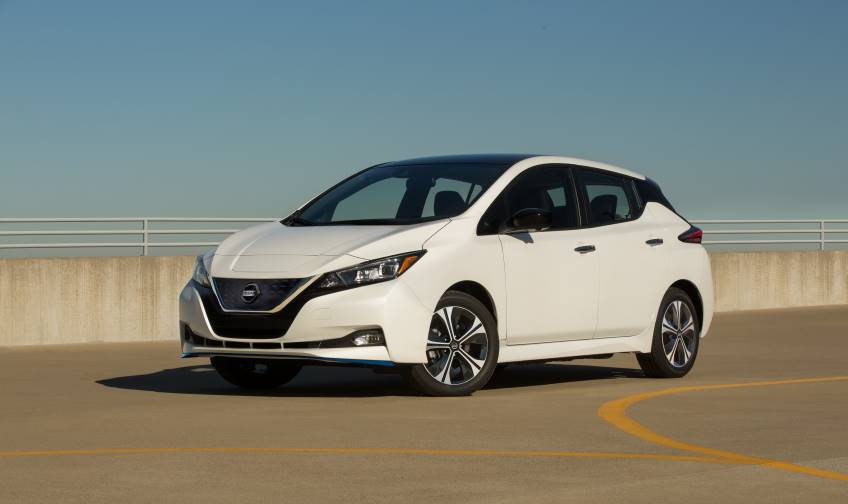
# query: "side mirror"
{"type": "Point", "coordinates": [529, 219]}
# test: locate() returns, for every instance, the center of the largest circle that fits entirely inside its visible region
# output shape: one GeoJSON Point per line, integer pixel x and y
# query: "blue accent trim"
{"type": "Point", "coordinates": [357, 361]}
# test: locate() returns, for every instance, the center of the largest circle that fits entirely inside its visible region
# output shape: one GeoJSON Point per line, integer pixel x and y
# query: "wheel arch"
{"type": "Point", "coordinates": [477, 291]}
{"type": "Point", "coordinates": [694, 293]}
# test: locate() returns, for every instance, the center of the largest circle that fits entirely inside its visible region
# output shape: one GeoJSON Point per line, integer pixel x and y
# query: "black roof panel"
{"type": "Point", "coordinates": [465, 158]}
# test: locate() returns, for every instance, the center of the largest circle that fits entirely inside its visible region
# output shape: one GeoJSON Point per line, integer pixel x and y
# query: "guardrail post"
{"type": "Point", "coordinates": [821, 234]}
{"type": "Point", "coordinates": [145, 229]}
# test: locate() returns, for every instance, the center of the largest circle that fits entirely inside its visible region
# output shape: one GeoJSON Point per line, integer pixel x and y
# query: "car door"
{"type": "Point", "coordinates": [551, 276]}
{"type": "Point", "coordinates": [628, 251]}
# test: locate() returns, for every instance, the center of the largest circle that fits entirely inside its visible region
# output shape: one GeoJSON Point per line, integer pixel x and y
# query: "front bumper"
{"type": "Point", "coordinates": [390, 306]}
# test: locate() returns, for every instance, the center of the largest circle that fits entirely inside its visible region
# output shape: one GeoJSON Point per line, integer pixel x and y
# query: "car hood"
{"type": "Point", "coordinates": [274, 249]}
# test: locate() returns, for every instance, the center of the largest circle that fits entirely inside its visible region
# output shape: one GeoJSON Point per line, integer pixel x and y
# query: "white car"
{"type": "Point", "coordinates": [444, 267]}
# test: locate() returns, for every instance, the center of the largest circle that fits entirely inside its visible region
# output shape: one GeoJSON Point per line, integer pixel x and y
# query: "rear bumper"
{"type": "Point", "coordinates": [389, 306]}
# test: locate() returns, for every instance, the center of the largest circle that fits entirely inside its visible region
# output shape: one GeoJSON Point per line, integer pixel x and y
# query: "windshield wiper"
{"type": "Point", "coordinates": [295, 220]}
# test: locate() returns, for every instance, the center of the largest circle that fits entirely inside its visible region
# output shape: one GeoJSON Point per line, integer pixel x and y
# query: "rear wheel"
{"type": "Point", "coordinates": [255, 373]}
{"type": "Point", "coordinates": [676, 338]}
{"type": "Point", "coordinates": [462, 348]}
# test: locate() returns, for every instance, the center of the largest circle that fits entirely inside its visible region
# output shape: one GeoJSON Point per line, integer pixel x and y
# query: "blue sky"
{"type": "Point", "coordinates": [118, 108]}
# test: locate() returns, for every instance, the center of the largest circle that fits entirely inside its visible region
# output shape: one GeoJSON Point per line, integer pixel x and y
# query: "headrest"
{"type": "Point", "coordinates": [603, 207]}
{"type": "Point", "coordinates": [534, 198]}
{"type": "Point", "coordinates": [448, 204]}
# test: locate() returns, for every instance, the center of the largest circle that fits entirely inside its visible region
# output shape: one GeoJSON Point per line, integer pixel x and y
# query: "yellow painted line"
{"type": "Point", "coordinates": [370, 451]}
{"type": "Point", "coordinates": [615, 412]}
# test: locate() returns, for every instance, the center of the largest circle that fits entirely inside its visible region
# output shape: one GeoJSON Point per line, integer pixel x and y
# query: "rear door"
{"type": "Point", "coordinates": [551, 287]}
{"type": "Point", "coordinates": [628, 250]}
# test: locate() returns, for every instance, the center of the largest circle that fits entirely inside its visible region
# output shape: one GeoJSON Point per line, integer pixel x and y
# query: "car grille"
{"type": "Point", "coordinates": [250, 325]}
{"type": "Point", "coordinates": [272, 292]}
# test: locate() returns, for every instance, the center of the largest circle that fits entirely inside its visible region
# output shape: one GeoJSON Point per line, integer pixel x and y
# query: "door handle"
{"type": "Point", "coordinates": [585, 249]}
{"type": "Point", "coordinates": [655, 241]}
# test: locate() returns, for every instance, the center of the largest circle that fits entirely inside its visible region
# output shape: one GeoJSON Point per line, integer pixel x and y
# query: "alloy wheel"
{"type": "Point", "coordinates": [457, 345]}
{"type": "Point", "coordinates": [678, 334]}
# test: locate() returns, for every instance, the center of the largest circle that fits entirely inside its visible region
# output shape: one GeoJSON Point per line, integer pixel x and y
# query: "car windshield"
{"type": "Point", "coordinates": [400, 194]}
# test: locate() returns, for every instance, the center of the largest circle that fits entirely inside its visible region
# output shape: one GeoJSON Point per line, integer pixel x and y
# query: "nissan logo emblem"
{"type": "Point", "coordinates": [250, 293]}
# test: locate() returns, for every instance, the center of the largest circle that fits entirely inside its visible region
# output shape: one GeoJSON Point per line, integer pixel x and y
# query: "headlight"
{"type": "Point", "coordinates": [379, 270]}
{"type": "Point", "coordinates": [201, 269]}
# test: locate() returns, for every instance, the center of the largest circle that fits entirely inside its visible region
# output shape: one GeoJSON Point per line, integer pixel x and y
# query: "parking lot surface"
{"type": "Point", "coordinates": [762, 418]}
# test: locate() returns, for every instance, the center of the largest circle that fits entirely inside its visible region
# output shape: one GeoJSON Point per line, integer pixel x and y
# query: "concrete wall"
{"type": "Point", "coordinates": [76, 300]}
{"type": "Point", "coordinates": [82, 299]}
{"type": "Point", "coordinates": [761, 280]}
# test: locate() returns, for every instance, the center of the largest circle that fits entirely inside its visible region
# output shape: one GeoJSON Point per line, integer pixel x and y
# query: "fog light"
{"type": "Point", "coordinates": [361, 338]}
{"type": "Point", "coordinates": [369, 338]}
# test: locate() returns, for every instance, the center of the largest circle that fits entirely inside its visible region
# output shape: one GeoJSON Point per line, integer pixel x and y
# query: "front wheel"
{"type": "Point", "coordinates": [255, 373]}
{"type": "Point", "coordinates": [676, 338]}
{"type": "Point", "coordinates": [462, 348]}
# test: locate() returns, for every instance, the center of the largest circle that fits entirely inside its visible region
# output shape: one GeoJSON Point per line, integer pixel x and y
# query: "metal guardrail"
{"type": "Point", "coordinates": [145, 230]}
{"type": "Point", "coordinates": [820, 232]}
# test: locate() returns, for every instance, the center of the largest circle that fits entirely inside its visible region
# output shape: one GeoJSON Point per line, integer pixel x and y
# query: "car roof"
{"type": "Point", "coordinates": [464, 158]}
{"type": "Point", "coordinates": [511, 159]}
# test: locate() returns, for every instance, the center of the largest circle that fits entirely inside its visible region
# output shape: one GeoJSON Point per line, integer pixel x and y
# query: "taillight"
{"type": "Point", "coordinates": [692, 235]}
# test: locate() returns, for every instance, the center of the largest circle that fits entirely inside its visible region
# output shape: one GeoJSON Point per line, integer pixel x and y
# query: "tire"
{"type": "Point", "coordinates": [667, 358]}
{"type": "Point", "coordinates": [461, 359]}
{"type": "Point", "coordinates": [255, 373]}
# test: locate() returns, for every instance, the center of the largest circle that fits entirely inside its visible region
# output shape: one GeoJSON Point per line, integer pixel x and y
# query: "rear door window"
{"type": "Point", "coordinates": [609, 197]}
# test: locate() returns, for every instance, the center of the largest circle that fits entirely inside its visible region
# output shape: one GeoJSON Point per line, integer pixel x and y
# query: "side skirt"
{"type": "Point", "coordinates": [580, 348]}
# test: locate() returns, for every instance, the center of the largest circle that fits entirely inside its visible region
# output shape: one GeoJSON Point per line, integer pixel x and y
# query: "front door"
{"type": "Point", "coordinates": [551, 275]}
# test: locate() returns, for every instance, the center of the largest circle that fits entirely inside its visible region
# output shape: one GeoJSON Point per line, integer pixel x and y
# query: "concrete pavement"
{"type": "Point", "coordinates": [178, 432]}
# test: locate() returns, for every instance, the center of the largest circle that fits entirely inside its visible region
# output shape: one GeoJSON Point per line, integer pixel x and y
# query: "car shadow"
{"type": "Point", "coordinates": [312, 381]}
{"type": "Point", "coordinates": [532, 375]}
{"type": "Point", "coordinates": [329, 381]}
{"type": "Point", "coordinates": [522, 236]}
